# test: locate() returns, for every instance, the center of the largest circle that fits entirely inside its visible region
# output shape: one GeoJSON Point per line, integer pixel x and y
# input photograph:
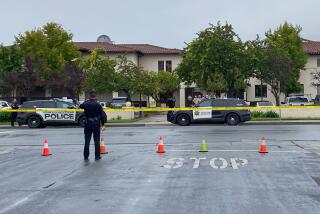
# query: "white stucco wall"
{"type": "Point", "coordinates": [150, 62]}
{"type": "Point", "coordinates": [305, 79]}
{"type": "Point", "coordinates": [251, 92]}
{"type": "Point", "coordinates": [306, 76]}
{"type": "Point", "coordinates": [130, 56]}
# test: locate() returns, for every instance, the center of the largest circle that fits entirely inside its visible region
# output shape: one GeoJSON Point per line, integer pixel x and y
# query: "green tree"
{"type": "Point", "coordinates": [71, 80]}
{"type": "Point", "coordinates": [126, 74]}
{"type": "Point", "coordinates": [142, 84]}
{"type": "Point", "coordinates": [277, 67]}
{"type": "Point", "coordinates": [49, 48]}
{"type": "Point", "coordinates": [162, 84]}
{"type": "Point", "coordinates": [11, 60]}
{"type": "Point", "coordinates": [216, 52]}
{"type": "Point", "coordinates": [131, 78]}
{"type": "Point", "coordinates": [169, 82]}
{"type": "Point", "coordinates": [287, 38]}
{"type": "Point", "coordinates": [256, 54]}
{"type": "Point", "coordinates": [99, 72]}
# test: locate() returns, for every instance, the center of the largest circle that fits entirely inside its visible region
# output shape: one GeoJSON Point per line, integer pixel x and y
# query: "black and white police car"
{"type": "Point", "coordinates": [40, 118]}
{"type": "Point", "coordinates": [230, 116]}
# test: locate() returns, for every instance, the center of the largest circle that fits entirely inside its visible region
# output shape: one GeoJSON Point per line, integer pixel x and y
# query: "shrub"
{"type": "Point", "coordinates": [257, 114]}
{"type": "Point", "coordinates": [267, 114]}
{"type": "Point", "coordinates": [5, 116]}
{"type": "Point", "coordinates": [119, 117]}
{"type": "Point", "coordinates": [271, 114]}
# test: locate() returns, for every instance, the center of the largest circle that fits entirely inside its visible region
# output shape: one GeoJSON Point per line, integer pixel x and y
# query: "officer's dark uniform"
{"type": "Point", "coordinates": [171, 102]}
{"type": "Point", "coordinates": [95, 117]}
{"type": "Point", "coordinates": [14, 114]}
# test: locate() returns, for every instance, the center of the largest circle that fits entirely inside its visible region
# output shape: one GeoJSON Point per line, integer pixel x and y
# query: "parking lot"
{"type": "Point", "coordinates": [232, 177]}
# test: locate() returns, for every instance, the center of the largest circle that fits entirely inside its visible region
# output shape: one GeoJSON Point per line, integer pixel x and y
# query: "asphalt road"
{"type": "Point", "coordinates": [231, 178]}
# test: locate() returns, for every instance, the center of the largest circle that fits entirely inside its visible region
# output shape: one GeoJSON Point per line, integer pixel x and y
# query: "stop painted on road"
{"type": "Point", "coordinates": [215, 163]}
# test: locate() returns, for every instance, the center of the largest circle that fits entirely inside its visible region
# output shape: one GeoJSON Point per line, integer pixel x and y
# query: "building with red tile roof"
{"type": "Point", "coordinates": [312, 49]}
{"type": "Point", "coordinates": [126, 48]}
{"type": "Point", "coordinates": [150, 57]}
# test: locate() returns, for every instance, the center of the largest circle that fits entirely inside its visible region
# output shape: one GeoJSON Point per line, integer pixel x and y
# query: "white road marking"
{"type": "Point", "coordinates": [197, 162]}
{"type": "Point", "coordinates": [235, 164]}
{"type": "Point", "coordinates": [215, 163]}
{"type": "Point", "coordinates": [223, 166]}
{"type": "Point", "coordinates": [5, 150]}
{"type": "Point", "coordinates": [6, 132]}
{"type": "Point", "coordinates": [174, 163]}
{"type": "Point", "coordinates": [234, 150]}
{"type": "Point", "coordinates": [17, 203]}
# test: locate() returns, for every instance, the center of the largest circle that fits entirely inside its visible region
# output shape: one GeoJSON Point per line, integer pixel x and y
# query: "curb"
{"type": "Point", "coordinates": [284, 122]}
{"type": "Point", "coordinates": [250, 123]}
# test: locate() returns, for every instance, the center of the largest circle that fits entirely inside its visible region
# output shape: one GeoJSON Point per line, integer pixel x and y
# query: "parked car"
{"type": "Point", "coordinates": [317, 100]}
{"type": "Point", "coordinates": [231, 117]}
{"type": "Point", "coordinates": [4, 105]}
{"type": "Point", "coordinates": [120, 102]}
{"type": "Point", "coordinates": [297, 101]}
{"type": "Point", "coordinates": [104, 104]}
{"type": "Point", "coordinates": [261, 103]}
{"type": "Point", "coordinates": [41, 119]}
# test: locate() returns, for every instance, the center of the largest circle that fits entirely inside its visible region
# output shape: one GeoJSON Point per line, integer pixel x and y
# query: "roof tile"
{"type": "Point", "coordinates": [126, 48]}
{"type": "Point", "coordinates": [311, 47]}
{"type": "Point", "coordinates": [152, 49]}
{"type": "Point", "coordinates": [111, 48]}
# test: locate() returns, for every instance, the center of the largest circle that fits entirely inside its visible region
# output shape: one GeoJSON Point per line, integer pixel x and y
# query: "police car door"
{"type": "Point", "coordinates": [206, 113]}
{"type": "Point", "coordinates": [66, 116]}
{"type": "Point", "coordinates": [46, 110]}
{"type": "Point", "coordinates": [218, 115]}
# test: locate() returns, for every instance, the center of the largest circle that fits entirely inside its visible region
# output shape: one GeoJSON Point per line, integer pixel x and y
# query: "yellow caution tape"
{"type": "Point", "coordinates": [103, 128]}
{"type": "Point", "coordinates": [156, 109]}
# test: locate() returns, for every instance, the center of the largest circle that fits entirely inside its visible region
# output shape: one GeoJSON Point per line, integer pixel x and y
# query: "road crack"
{"type": "Point", "coordinates": [48, 186]}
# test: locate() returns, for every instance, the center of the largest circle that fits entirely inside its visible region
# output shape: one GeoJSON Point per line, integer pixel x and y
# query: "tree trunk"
{"type": "Point", "coordinates": [276, 96]}
{"type": "Point", "coordinates": [140, 112]}
{"type": "Point", "coordinates": [261, 91]}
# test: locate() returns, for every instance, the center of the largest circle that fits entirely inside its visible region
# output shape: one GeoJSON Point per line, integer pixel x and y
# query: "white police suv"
{"type": "Point", "coordinates": [41, 118]}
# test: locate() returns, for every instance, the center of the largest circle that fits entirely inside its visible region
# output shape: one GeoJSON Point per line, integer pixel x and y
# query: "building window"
{"type": "Point", "coordinates": [258, 91]}
{"type": "Point", "coordinates": [318, 62]}
{"type": "Point", "coordinates": [160, 65]}
{"type": "Point", "coordinates": [169, 66]}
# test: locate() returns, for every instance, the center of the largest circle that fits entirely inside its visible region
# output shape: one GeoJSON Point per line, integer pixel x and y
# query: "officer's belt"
{"type": "Point", "coordinates": [93, 119]}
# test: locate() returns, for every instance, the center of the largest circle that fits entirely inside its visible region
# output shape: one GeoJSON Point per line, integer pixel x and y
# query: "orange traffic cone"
{"type": "Point", "coordinates": [263, 146]}
{"type": "Point", "coordinates": [103, 149]}
{"type": "Point", "coordinates": [161, 148]}
{"type": "Point", "coordinates": [45, 150]}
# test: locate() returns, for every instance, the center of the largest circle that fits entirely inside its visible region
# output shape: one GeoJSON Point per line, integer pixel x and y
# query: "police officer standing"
{"type": "Point", "coordinates": [171, 102]}
{"type": "Point", "coordinates": [14, 106]}
{"type": "Point", "coordinates": [95, 117]}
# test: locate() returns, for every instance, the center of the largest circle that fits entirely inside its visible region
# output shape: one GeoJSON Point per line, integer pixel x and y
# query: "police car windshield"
{"type": "Point", "coordinates": [62, 104]}
{"type": "Point", "coordinates": [119, 101]}
{"type": "Point", "coordinates": [265, 104]}
{"type": "Point", "coordinates": [206, 103]}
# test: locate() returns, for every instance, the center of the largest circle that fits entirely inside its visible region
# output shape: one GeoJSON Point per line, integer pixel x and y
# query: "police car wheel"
{"type": "Point", "coordinates": [82, 121]}
{"type": "Point", "coordinates": [183, 120]}
{"type": "Point", "coordinates": [34, 122]}
{"type": "Point", "coordinates": [233, 119]}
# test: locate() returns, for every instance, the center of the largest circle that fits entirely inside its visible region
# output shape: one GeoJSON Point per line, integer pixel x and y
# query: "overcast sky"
{"type": "Point", "coordinates": [167, 23]}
